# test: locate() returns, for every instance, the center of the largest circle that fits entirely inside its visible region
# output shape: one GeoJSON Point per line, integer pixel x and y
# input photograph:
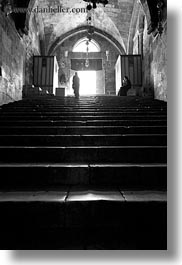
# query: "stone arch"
{"type": "Point", "coordinates": [145, 8]}
{"type": "Point", "coordinates": [83, 40]}
{"type": "Point", "coordinates": [140, 10]}
{"type": "Point", "coordinates": [136, 10]}
{"type": "Point", "coordinates": [73, 32]}
{"type": "Point", "coordinates": [141, 22]}
{"type": "Point", "coordinates": [30, 6]}
{"type": "Point", "coordinates": [69, 21]}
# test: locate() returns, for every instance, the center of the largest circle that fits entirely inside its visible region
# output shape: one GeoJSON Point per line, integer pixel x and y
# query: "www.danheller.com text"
{"type": "Point", "coordinates": [50, 9]}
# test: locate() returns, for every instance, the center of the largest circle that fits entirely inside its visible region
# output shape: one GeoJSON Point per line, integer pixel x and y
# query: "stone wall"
{"type": "Point", "coordinates": [155, 64]}
{"type": "Point", "coordinates": [12, 54]}
{"type": "Point", "coordinates": [16, 58]}
{"type": "Point", "coordinates": [153, 48]}
{"type": "Point", "coordinates": [159, 66]}
{"type": "Point", "coordinates": [32, 46]}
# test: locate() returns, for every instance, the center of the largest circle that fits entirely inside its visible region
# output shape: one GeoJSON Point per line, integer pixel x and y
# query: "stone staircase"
{"type": "Point", "coordinates": [83, 174]}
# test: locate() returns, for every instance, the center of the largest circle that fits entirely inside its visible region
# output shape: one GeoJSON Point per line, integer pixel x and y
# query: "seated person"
{"type": "Point", "coordinates": [126, 85]}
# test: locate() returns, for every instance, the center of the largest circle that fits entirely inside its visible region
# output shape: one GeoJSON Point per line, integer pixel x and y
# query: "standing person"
{"type": "Point", "coordinates": [126, 85]}
{"type": "Point", "coordinates": [76, 84]}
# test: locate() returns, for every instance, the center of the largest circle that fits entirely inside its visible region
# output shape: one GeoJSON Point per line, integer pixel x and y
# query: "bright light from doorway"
{"type": "Point", "coordinates": [87, 82]}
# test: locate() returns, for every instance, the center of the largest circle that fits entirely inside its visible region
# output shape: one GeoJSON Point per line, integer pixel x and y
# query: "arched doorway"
{"type": "Point", "coordinates": [88, 70]}
{"type": "Point", "coordinates": [106, 52]}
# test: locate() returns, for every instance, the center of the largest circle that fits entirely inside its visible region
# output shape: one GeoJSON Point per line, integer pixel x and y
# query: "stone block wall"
{"type": "Point", "coordinates": [159, 67]}
{"type": "Point", "coordinates": [32, 46]}
{"type": "Point", "coordinates": [120, 12]}
{"type": "Point", "coordinates": [153, 48]}
{"type": "Point", "coordinates": [155, 64]}
{"type": "Point", "coordinates": [12, 54]}
{"type": "Point", "coordinates": [16, 58]}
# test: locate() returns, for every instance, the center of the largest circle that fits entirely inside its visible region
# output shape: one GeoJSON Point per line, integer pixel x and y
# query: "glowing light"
{"type": "Point", "coordinates": [87, 82]}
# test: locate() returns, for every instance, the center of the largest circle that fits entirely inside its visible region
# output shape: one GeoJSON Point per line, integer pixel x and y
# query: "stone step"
{"type": "Point", "coordinates": [93, 122]}
{"type": "Point", "coordinates": [87, 173]}
{"type": "Point", "coordinates": [122, 101]}
{"type": "Point", "coordinates": [84, 140]}
{"type": "Point", "coordinates": [85, 109]}
{"type": "Point", "coordinates": [94, 108]}
{"type": "Point", "coordinates": [114, 103]}
{"type": "Point", "coordinates": [83, 154]}
{"type": "Point", "coordinates": [30, 219]}
{"type": "Point", "coordinates": [45, 176]}
{"type": "Point", "coordinates": [81, 130]}
{"type": "Point", "coordinates": [79, 113]}
{"type": "Point", "coordinates": [85, 106]}
{"type": "Point", "coordinates": [136, 236]}
{"type": "Point", "coordinates": [116, 117]}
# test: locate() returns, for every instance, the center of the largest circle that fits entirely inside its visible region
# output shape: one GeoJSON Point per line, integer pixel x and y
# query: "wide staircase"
{"type": "Point", "coordinates": [83, 174]}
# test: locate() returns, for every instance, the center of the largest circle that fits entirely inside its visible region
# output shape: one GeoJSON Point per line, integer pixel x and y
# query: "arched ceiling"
{"type": "Point", "coordinates": [83, 29]}
{"type": "Point", "coordinates": [114, 19]}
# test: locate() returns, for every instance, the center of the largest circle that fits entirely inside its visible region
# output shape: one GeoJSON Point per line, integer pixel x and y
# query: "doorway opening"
{"type": "Point", "coordinates": [87, 82]}
{"type": "Point", "coordinates": [88, 78]}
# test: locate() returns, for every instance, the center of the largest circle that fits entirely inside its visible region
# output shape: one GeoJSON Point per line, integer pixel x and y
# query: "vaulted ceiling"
{"type": "Point", "coordinates": [112, 21]}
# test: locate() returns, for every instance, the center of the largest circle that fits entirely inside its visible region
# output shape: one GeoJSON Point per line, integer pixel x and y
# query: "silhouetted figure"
{"type": "Point", "coordinates": [76, 85]}
{"type": "Point", "coordinates": [126, 85]}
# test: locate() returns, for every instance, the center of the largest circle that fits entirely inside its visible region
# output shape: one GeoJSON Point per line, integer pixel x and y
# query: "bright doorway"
{"type": "Point", "coordinates": [87, 82]}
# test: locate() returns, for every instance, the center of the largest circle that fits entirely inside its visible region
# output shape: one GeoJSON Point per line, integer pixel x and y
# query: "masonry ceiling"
{"type": "Point", "coordinates": [114, 19]}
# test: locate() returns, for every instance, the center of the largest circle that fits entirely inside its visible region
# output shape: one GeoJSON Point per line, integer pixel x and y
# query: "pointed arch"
{"type": "Point", "coordinates": [80, 45]}
{"type": "Point", "coordinates": [75, 31]}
